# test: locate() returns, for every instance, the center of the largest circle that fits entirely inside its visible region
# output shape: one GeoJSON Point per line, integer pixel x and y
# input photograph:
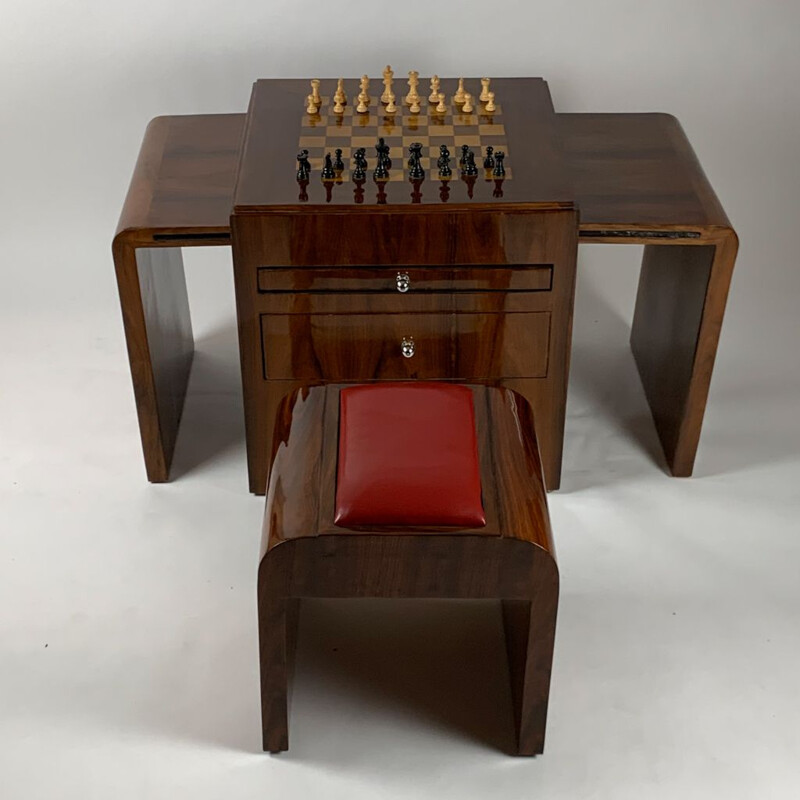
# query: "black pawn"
{"type": "Point", "coordinates": [488, 162]}
{"type": "Point", "coordinates": [416, 171]}
{"type": "Point", "coordinates": [303, 167]}
{"type": "Point", "coordinates": [464, 151]}
{"type": "Point", "coordinates": [382, 149]}
{"type": "Point", "coordinates": [499, 170]}
{"type": "Point", "coordinates": [443, 162]}
{"type": "Point", "coordinates": [338, 164]}
{"type": "Point", "coordinates": [327, 171]}
{"type": "Point", "coordinates": [469, 165]}
{"type": "Point", "coordinates": [381, 173]}
{"type": "Point", "coordinates": [360, 165]}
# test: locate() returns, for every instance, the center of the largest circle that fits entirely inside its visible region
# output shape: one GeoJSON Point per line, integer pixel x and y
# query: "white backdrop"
{"type": "Point", "coordinates": [127, 623]}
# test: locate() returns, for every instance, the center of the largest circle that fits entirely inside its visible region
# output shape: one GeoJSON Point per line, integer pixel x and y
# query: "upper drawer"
{"type": "Point", "coordinates": [522, 278]}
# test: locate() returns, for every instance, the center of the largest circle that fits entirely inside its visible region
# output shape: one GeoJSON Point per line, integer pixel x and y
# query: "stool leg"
{"type": "Point", "coordinates": [530, 628]}
{"type": "Point", "coordinates": [277, 626]}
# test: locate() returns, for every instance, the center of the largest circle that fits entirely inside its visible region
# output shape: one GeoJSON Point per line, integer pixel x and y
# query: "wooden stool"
{"type": "Point", "coordinates": [306, 554]}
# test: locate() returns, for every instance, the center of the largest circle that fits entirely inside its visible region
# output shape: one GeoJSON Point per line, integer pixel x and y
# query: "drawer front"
{"type": "Point", "coordinates": [406, 280]}
{"type": "Point", "coordinates": [360, 347]}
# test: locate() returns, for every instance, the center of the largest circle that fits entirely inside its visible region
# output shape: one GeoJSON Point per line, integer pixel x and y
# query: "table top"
{"type": "Point", "coordinates": [636, 171]}
{"type": "Point", "coordinates": [182, 185]}
{"type": "Point", "coordinates": [279, 126]}
{"type": "Point", "coordinates": [629, 173]}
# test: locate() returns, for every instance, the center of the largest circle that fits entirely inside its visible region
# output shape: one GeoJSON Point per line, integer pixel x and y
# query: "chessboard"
{"type": "Point", "coordinates": [326, 131]}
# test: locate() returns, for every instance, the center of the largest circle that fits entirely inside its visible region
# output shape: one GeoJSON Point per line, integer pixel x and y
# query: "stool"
{"type": "Point", "coordinates": [322, 538]}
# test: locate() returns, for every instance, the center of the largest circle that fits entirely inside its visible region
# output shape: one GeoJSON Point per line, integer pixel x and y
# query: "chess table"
{"type": "Point", "coordinates": [460, 280]}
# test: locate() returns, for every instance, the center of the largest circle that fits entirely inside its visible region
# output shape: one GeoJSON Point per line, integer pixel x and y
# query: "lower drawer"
{"type": "Point", "coordinates": [353, 347]}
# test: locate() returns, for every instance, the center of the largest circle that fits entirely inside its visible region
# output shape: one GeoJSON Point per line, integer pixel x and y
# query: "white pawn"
{"type": "Point", "coordinates": [414, 108]}
{"type": "Point", "coordinates": [391, 108]}
{"type": "Point", "coordinates": [442, 107]}
{"type": "Point", "coordinates": [490, 106]}
{"type": "Point", "coordinates": [311, 109]}
{"type": "Point", "coordinates": [467, 107]}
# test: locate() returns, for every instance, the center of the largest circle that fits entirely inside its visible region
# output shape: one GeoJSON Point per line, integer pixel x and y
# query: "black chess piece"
{"type": "Point", "coordinates": [327, 170]}
{"type": "Point", "coordinates": [499, 170]}
{"type": "Point", "coordinates": [488, 162]}
{"type": "Point", "coordinates": [464, 151]}
{"type": "Point", "coordinates": [360, 165]}
{"type": "Point", "coordinates": [469, 165]}
{"type": "Point", "coordinates": [416, 172]}
{"type": "Point", "coordinates": [338, 164]}
{"type": "Point", "coordinates": [443, 162]}
{"type": "Point", "coordinates": [382, 149]}
{"type": "Point", "coordinates": [470, 181]}
{"type": "Point", "coordinates": [303, 196]}
{"type": "Point", "coordinates": [381, 173]}
{"type": "Point", "coordinates": [303, 167]}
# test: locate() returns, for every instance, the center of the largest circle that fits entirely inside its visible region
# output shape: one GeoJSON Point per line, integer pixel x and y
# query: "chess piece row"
{"type": "Point", "coordinates": [334, 166]}
{"type": "Point", "coordinates": [413, 100]}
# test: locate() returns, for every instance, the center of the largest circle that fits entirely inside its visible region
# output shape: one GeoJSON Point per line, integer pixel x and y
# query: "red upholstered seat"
{"type": "Point", "coordinates": [408, 455]}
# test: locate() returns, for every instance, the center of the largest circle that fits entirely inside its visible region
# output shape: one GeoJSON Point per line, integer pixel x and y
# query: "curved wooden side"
{"type": "Point", "coordinates": [512, 559]}
{"type": "Point", "coordinates": [180, 195]}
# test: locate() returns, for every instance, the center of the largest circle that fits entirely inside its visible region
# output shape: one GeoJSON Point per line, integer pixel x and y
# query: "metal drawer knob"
{"type": "Point", "coordinates": [407, 346]}
{"type": "Point", "coordinates": [403, 282]}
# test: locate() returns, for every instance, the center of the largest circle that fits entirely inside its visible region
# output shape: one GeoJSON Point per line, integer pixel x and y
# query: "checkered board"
{"type": "Point", "coordinates": [324, 132]}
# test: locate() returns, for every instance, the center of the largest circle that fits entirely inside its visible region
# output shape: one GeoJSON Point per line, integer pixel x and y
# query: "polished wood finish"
{"type": "Point", "coordinates": [179, 196]}
{"type": "Point", "coordinates": [307, 337]}
{"type": "Point", "coordinates": [634, 177]}
{"type": "Point", "coordinates": [275, 121]}
{"type": "Point", "coordinates": [326, 347]}
{"type": "Point", "coordinates": [408, 278]}
{"type": "Point", "coordinates": [637, 180]}
{"type": "Point", "coordinates": [532, 225]}
{"type": "Point", "coordinates": [512, 558]}
{"type": "Point", "coordinates": [637, 174]}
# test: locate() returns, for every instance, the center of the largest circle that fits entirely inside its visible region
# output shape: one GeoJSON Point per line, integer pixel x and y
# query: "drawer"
{"type": "Point", "coordinates": [407, 279]}
{"type": "Point", "coordinates": [356, 347]}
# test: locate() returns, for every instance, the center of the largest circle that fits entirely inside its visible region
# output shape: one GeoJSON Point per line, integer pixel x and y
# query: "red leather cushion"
{"type": "Point", "coordinates": [408, 455]}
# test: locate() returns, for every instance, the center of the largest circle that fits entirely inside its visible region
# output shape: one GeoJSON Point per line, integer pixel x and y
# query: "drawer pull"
{"type": "Point", "coordinates": [403, 282]}
{"type": "Point", "coordinates": [407, 347]}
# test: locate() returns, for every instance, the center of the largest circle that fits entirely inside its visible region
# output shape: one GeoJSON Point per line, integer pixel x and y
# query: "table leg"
{"type": "Point", "coordinates": [158, 331]}
{"type": "Point", "coordinates": [679, 309]}
{"type": "Point", "coordinates": [530, 628]}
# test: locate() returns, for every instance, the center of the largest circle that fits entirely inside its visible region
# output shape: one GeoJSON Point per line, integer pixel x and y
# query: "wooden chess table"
{"type": "Point", "coordinates": [459, 280]}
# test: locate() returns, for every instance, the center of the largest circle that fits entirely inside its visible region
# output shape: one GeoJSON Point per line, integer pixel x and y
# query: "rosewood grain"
{"type": "Point", "coordinates": [634, 177]}
{"type": "Point", "coordinates": [511, 558]}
